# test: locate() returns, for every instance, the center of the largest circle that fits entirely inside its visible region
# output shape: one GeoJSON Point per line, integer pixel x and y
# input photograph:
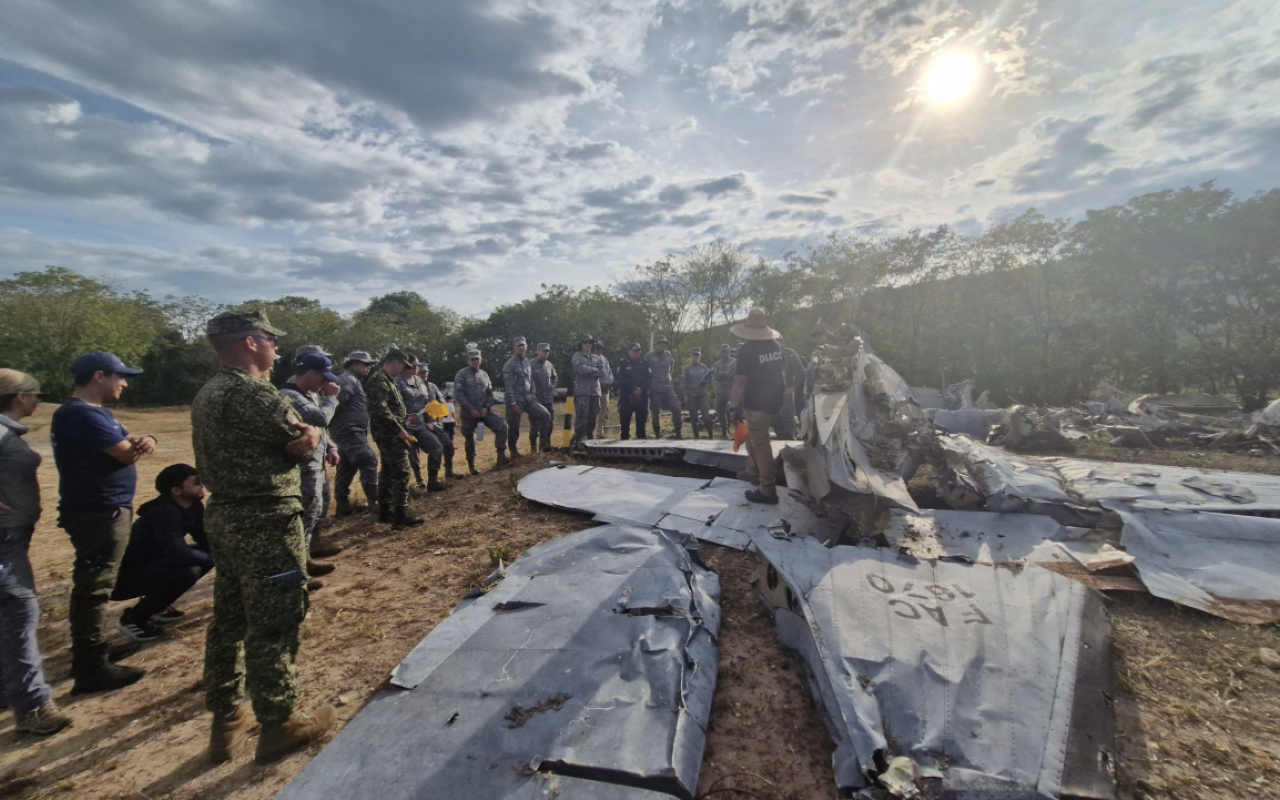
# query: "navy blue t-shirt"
{"type": "Point", "coordinates": [88, 478]}
{"type": "Point", "coordinates": [762, 363]}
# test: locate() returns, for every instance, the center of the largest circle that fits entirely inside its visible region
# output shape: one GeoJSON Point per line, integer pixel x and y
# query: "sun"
{"type": "Point", "coordinates": [952, 76]}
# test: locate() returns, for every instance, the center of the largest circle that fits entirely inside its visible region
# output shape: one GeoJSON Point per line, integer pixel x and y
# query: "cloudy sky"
{"type": "Point", "coordinates": [474, 149]}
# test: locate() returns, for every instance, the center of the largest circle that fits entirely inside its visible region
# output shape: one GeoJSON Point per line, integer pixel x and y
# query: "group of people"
{"type": "Point", "coordinates": [264, 453]}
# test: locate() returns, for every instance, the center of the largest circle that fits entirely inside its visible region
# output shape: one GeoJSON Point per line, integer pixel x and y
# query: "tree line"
{"type": "Point", "coordinates": [1173, 291]}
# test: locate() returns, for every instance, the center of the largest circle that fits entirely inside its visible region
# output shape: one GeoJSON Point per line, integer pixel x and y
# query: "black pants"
{"type": "Point", "coordinates": [627, 407]}
{"type": "Point", "coordinates": [99, 539]}
{"type": "Point", "coordinates": [159, 586]}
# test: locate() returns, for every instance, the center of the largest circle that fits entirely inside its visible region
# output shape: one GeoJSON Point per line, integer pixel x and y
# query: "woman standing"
{"type": "Point", "coordinates": [22, 683]}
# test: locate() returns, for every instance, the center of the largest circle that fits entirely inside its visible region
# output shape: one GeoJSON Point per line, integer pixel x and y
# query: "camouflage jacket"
{"type": "Point", "coordinates": [660, 366]}
{"type": "Point", "coordinates": [387, 414]}
{"type": "Point", "coordinates": [544, 377]}
{"type": "Point", "coordinates": [517, 380]}
{"type": "Point", "coordinates": [351, 420]}
{"type": "Point", "coordinates": [314, 410]}
{"type": "Point", "coordinates": [473, 390]}
{"type": "Point", "coordinates": [587, 369]}
{"type": "Point", "coordinates": [723, 371]}
{"type": "Point", "coordinates": [240, 426]}
{"type": "Point", "coordinates": [694, 379]}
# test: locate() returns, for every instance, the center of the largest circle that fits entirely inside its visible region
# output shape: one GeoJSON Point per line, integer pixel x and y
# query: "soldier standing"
{"type": "Point", "coordinates": [518, 392]}
{"type": "Point", "coordinates": [587, 369]}
{"type": "Point", "coordinates": [413, 388]}
{"type": "Point", "coordinates": [387, 418]}
{"type": "Point", "coordinates": [543, 376]}
{"type": "Point", "coordinates": [662, 394]}
{"type": "Point", "coordinates": [313, 390]}
{"type": "Point", "coordinates": [350, 431]}
{"type": "Point", "coordinates": [248, 442]}
{"type": "Point", "coordinates": [633, 391]}
{"type": "Point", "coordinates": [693, 385]}
{"type": "Point", "coordinates": [722, 372]}
{"type": "Point", "coordinates": [474, 392]}
{"type": "Point", "coordinates": [606, 383]}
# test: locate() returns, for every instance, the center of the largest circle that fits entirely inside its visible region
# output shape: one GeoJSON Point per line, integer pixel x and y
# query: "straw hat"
{"type": "Point", "coordinates": [754, 328]}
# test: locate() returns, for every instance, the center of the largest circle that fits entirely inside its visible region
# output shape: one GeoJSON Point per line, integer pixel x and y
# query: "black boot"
{"type": "Point", "coordinates": [434, 484]}
{"type": "Point", "coordinates": [106, 678]}
{"type": "Point", "coordinates": [471, 466]}
{"type": "Point", "coordinates": [403, 520]}
{"type": "Point", "coordinates": [342, 507]}
{"type": "Point", "coordinates": [448, 470]}
{"type": "Point", "coordinates": [533, 444]}
{"type": "Point", "coordinates": [384, 513]}
{"type": "Point", "coordinates": [371, 496]}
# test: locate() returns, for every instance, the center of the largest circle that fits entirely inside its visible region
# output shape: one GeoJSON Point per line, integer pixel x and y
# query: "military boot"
{"type": "Point", "coordinates": [280, 739]}
{"type": "Point", "coordinates": [228, 732]}
{"type": "Point", "coordinates": [448, 470]}
{"type": "Point", "coordinates": [434, 484]}
{"type": "Point", "coordinates": [516, 453]}
{"type": "Point", "coordinates": [371, 496]}
{"type": "Point", "coordinates": [471, 466]}
{"type": "Point", "coordinates": [105, 678]}
{"type": "Point", "coordinates": [533, 444]}
{"type": "Point", "coordinates": [504, 460]}
{"type": "Point", "coordinates": [403, 520]}
{"type": "Point", "coordinates": [342, 507]}
{"type": "Point", "coordinates": [322, 547]}
{"type": "Point", "coordinates": [384, 513]}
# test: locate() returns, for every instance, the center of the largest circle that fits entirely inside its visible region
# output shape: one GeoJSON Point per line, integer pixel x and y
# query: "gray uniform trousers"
{"type": "Point", "coordinates": [428, 442]}
{"type": "Point", "coordinates": [493, 422]}
{"type": "Point", "coordinates": [586, 407]}
{"type": "Point", "coordinates": [539, 420]}
{"type": "Point", "coordinates": [700, 409]}
{"type": "Point", "coordinates": [354, 455]}
{"type": "Point", "coordinates": [313, 481]}
{"type": "Point", "coordinates": [661, 397]}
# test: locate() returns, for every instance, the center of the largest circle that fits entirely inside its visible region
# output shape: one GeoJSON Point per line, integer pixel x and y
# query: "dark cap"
{"type": "Point", "coordinates": [173, 476]}
{"type": "Point", "coordinates": [586, 339]}
{"type": "Point", "coordinates": [315, 362]}
{"type": "Point", "coordinates": [395, 354]}
{"type": "Point", "coordinates": [232, 322]}
{"type": "Point", "coordinates": [635, 346]}
{"type": "Point", "coordinates": [544, 347]}
{"type": "Point", "coordinates": [598, 343]}
{"type": "Point", "coordinates": [697, 351]}
{"type": "Point", "coordinates": [661, 340]}
{"type": "Point", "coordinates": [90, 363]}
{"type": "Point", "coordinates": [309, 348]}
{"type": "Point", "coordinates": [361, 356]}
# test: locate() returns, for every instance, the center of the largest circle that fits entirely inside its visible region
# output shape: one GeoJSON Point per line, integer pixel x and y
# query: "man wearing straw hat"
{"type": "Point", "coordinates": [758, 390]}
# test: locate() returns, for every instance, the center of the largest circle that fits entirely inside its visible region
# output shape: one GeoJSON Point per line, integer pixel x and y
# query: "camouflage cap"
{"type": "Point", "coordinates": [724, 348]}
{"type": "Point", "coordinates": [308, 349]}
{"type": "Point", "coordinates": [232, 322]}
{"type": "Point", "coordinates": [395, 354]}
{"type": "Point", "coordinates": [361, 356]}
{"type": "Point", "coordinates": [544, 347]}
{"type": "Point", "coordinates": [586, 338]}
{"type": "Point", "coordinates": [697, 351]}
{"type": "Point", "coordinates": [473, 354]}
{"type": "Point", "coordinates": [661, 340]}
{"type": "Point", "coordinates": [635, 346]}
{"type": "Point", "coordinates": [518, 341]}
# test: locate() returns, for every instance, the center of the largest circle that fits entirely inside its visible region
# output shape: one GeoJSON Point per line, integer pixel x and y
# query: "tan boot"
{"type": "Point", "coordinates": [299, 730]}
{"type": "Point", "coordinates": [228, 732]}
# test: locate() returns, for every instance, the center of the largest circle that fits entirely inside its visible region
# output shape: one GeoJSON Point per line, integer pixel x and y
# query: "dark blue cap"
{"type": "Point", "coordinates": [90, 363]}
{"type": "Point", "coordinates": [316, 362]}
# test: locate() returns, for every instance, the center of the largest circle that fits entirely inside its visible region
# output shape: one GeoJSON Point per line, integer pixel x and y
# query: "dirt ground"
{"type": "Point", "coordinates": [1198, 716]}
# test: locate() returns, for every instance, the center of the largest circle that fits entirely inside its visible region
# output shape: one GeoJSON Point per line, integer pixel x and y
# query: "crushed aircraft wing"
{"type": "Point", "coordinates": [1225, 564]}
{"type": "Point", "coordinates": [982, 537]}
{"type": "Point", "coordinates": [1182, 488]}
{"type": "Point", "coordinates": [979, 476]}
{"type": "Point", "coordinates": [994, 679]}
{"type": "Point", "coordinates": [716, 453]}
{"type": "Point", "coordinates": [593, 679]}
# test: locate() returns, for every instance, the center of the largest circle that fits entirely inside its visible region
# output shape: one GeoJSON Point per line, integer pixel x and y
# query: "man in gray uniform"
{"type": "Point", "coordinates": [662, 394]}
{"type": "Point", "coordinates": [313, 390]}
{"type": "Point", "coordinates": [435, 427]}
{"type": "Point", "coordinates": [517, 388]}
{"type": "Point", "coordinates": [349, 430]}
{"type": "Point", "coordinates": [587, 371]}
{"type": "Point", "coordinates": [474, 393]}
{"type": "Point", "coordinates": [543, 375]}
{"type": "Point", "coordinates": [413, 388]}
{"type": "Point", "coordinates": [722, 371]}
{"type": "Point", "coordinates": [693, 385]}
{"type": "Point", "coordinates": [606, 383]}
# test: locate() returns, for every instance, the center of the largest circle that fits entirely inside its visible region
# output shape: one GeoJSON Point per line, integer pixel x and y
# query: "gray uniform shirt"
{"type": "Point", "coordinates": [317, 410]}
{"type": "Point", "coordinates": [517, 380]}
{"type": "Point", "coordinates": [543, 374]}
{"type": "Point", "coordinates": [473, 390]}
{"type": "Point", "coordinates": [414, 391]}
{"type": "Point", "coordinates": [693, 380]}
{"type": "Point", "coordinates": [587, 369]}
{"type": "Point", "coordinates": [351, 420]}
{"type": "Point", "coordinates": [722, 371]}
{"type": "Point", "coordinates": [661, 365]}
{"type": "Point", "coordinates": [19, 486]}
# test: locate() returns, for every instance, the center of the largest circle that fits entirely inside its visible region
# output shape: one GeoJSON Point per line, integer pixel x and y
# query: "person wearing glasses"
{"type": "Point", "coordinates": [22, 683]}
{"type": "Point", "coordinates": [249, 441]}
{"type": "Point", "coordinates": [96, 458]}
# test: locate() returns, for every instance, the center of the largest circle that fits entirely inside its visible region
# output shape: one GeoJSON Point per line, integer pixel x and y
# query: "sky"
{"type": "Point", "coordinates": [474, 150]}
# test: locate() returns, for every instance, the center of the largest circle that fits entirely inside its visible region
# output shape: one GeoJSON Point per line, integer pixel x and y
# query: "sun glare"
{"type": "Point", "coordinates": [952, 77]}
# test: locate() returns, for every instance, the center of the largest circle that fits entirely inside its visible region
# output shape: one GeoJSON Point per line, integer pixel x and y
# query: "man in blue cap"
{"type": "Point", "coordinates": [313, 390]}
{"type": "Point", "coordinates": [95, 456]}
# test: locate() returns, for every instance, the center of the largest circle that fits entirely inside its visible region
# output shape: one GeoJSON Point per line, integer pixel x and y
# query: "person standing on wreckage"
{"type": "Point", "coordinates": [518, 392]}
{"type": "Point", "coordinates": [758, 389]}
{"type": "Point", "coordinates": [474, 393]}
{"type": "Point", "coordinates": [662, 394]}
{"type": "Point", "coordinates": [693, 385]}
{"type": "Point", "coordinates": [350, 432]}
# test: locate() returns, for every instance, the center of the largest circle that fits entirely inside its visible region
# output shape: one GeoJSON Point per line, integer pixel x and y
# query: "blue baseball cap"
{"type": "Point", "coordinates": [316, 362]}
{"type": "Point", "coordinates": [90, 363]}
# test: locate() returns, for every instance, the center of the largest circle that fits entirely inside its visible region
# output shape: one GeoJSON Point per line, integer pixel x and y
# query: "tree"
{"type": "Point", "coordinates": [717, 274]}
{"type": "Point", "coordinates": [663, 290]}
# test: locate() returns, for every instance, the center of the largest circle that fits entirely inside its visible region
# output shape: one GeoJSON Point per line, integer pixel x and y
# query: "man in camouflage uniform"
{"type": "Point", "coordinates": [517, 390]}
{"type": "Point", "coordinates": [662, 394]}
{"type": "Point", "coordinates": [542, 374]}
{"type": "Point", "coordinates": [474, 393]}
{"type": "Point", "coordinates": [387, 420]}
{"type": "Point", "coordinates": [350, 432]}
{"type": "Point", "coordinates": [606, 383]}
{"type": "Point", "coordinates": [248, 442]}
{"type": "Point", "coordinates": [693, 385]}
{"type": "Point", "coordinates": [413, 388]}
{"type": "Point", "coordinates": [313, 390]}
{"type": "Point", "coordinates": [587, 371]}
{"type": "Point", "coordinates": [722, 371]}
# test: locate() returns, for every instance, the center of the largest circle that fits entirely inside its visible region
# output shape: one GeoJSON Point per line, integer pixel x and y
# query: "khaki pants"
{"type": "Point", "coordinates": [760, 460]}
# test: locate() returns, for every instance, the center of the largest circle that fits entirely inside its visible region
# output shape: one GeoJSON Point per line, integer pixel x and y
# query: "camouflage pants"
{"type": "Point", "coordinates": [539, 419]}
{"type": "Point", "coordinates": [586, 407]}
{"type": "Point", "coordinates": [354, 455]}
{"type": "Point", "coordinates": [259, 603]}
{"type": "Point", "coordinates": [493, 422]}
{"type": "Point", "coordinates": [394, 476]}
{"type": "Point", "coordinates": [661, 397]}
{"type": "Point", "coordinates": [700, 409]}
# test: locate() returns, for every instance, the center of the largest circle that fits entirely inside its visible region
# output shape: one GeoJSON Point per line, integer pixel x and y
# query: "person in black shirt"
{"type": "Point", "coordinates": [159, 566]}
{"type": "Point", "coordinates": [633, 378]}
{"type": "Point", "coordinates": [758, 390]}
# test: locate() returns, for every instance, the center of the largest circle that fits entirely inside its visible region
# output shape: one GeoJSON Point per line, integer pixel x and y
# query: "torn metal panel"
{"type": "Point", "coordinates": [1225, 564]}
{"type": "Point", "coordinates": [996, 677]}
{"type": "Point", "coordinates": [638, 497]}
{"type": "Point", "coordinates": [991, 478]}
{"type": "Point", "coordinates": [599, 669]}
{"type": "Point", "coordinates": [985, 538]}
{"type": "Point", "coordinates": [1146, 485]}
{"type": "Point", "coordinates": [975, 422]}
{"type": "Point", "coordinates": [716, 453]}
